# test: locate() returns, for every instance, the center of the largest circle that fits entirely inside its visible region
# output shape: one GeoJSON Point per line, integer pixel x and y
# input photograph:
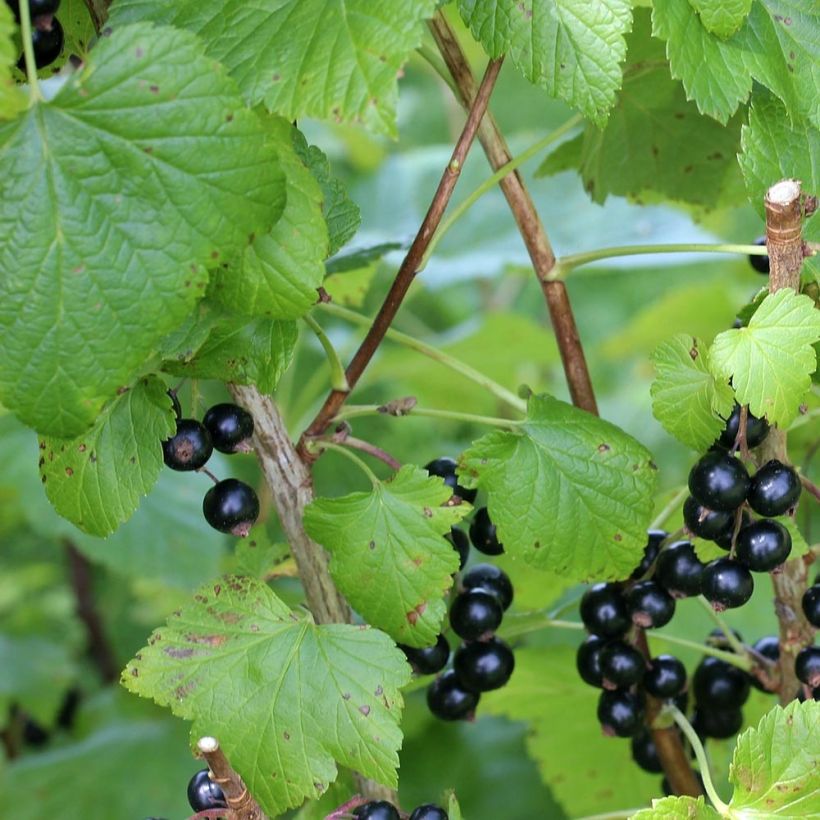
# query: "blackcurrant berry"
{"type": "Point", "coordinates": [38, 8]}
{"type": "Point", "coordinates": [717, 638]}
{"type": "Point", "coordinates": [484, 665]}
{"type": "Point", "coordinates": [48, 43]}
{"type": "Point", "coordinates": [678, 570]}
{"type": "Point", "coordinates": [649, 605]}
{"type": "Point", "coordinates": [769, 647]}
{"type": "Point", "coordinates": [230, 426]}
{"type": "Point", "coordinates": [377, 810]}
{"type": "Point", "coordinates": [724, 540]}
{"type": "Point", "coordinates": [447, 699]}
{"type": "Point", "coordinates": [719, 724]}
{"type": "Point", "coordinates": [588, 660]}
{"type": "Point", "coordinates": [231, 506]}
{"type": "Point", "coordinates": [759, 263]}
{"type": "Point", "coordinates": [726, 584]}
{"type": "Point", "coordinates": [756, 429]}
{"type": "Point", "coordinates": [621, 665]}
{"type": "Point", "coordinates": [706, 523]}
{"type": "Point", "coordinates": [775, 489]}
{"type": "Point", "coordinates": [475, 612]}
{"type": "Point", "coordinates": [665, 677]}
{"type": "Point", "coordinates": [811, 605]}
{"type": "Point", "coordinates": [189, 448]}
{"type": "Point", "coordinates": [620, 712]}
{"type": "Point", "coordinates": [807, 666]}
{"type": "Point", "coordinates": [763, 545]}
{"type": "Point", "coordinates": [428, 811]}
{"type": "Point", "coordinates": [204, 794]}
{"type": "Point", "coordinates": [644, 752]}
{"type": "Point", "coordinates": [461, 544]}
{"type": "Point", "coordinates": [719, 481]}
{"type": "Point", "coordinates": [719, 685]}
{"type": "Point", "coordinates": [428, 660]}
{"type": "Point", "coordinates": [492, 579]}
{"type": "Point", "coordinates": [603, 611]}
{"type": "Point", "coordinates": [650, 553]}
{"type": "Point", "coordinates": [483, 534]}
{"type": "Point", "coordinates": [446, 468]}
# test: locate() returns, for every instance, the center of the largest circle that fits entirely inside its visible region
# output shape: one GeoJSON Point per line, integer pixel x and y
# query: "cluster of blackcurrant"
{"type": "Point", "coordinates": [230, 505]}
{"type": "Point", "coordinates": [382, 810]}
{"type": "Point", "coordinates": [47, 36]}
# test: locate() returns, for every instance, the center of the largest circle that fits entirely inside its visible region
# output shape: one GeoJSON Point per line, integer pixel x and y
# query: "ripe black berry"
{"type": "Point", "coordinates": [756, 429]}
{"type": "Point", "coordinates": [654, 539]}
{"type": "Point", "coordinates": [665, 677]}
{"type": "Point", "coordinates": [719, 724]}
{"type": "Point", "coordinates": [706, 523]}
{"type": "Point", "coordinates": [769, 647]}
{"type": "Point", "coordinates": [620, 712]}
{"type": "Point", "coordinates": [484, 665]}
{"type": "Point", "coordinates": [719, 481]}
{"type": "Point", "coordinates": [204, 794]}
{"type": "Point", "coordinates": [461, 544]}
{"type": "Point", "coordinates": [428, 660]}
{"type": "Point", "coordinates": [446, 468]}
{"type": "Point", "coordinates": [428, 811]}
{"type": "Point", "coordinates": [775, 489]}
{"type": "Point", "coordinates": [231, 506]}
{"type": "Point", "coordinates": [811, 605]}
{"type": "Point", "coordinates": [48, 43]}
{"type": "Point", "coordinates": [189, 448]}
{"type": "Point", "coordinates": [763, 545]}
{"type": "Point", "coordinates": [649, 605]}
{"type": "Point", "coordinates": [621, 665]}
{"type": "Point", "coordinates": [449, 700]}
{"type": "Point", "coordinates": [588, 660]}
{"type": "Point", "coordinates": [475, 612]}
{"type": "Point", "coordinates": [483, 534]}
{"type": "Point", "coordinates": [726, 584]}
{"type": "Point", "coordinates": [230, 426]}
{"type": "Point", "coordinates": [807, 666]}
{"type": "Point", "coordinates": [492, 579]}
{"type": "Point", "coordinates": [603, 611]}
{"type": "Point", "coordinates": [759, 263]}
{"type": "Point", "coordinates": [679, 570]}
{"type": "Point", "coordinates": [38, 8]}
{"type": "Point", "coordinates": [644, 752]}
{"type": "Point", "coordinates": [376, 810]}
{"type": "Point", "coordinates": [719, 685]}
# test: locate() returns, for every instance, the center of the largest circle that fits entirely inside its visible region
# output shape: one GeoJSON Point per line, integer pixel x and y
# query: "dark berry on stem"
{"type": "Point", "coordinates": [492, 579]}
{"type": "Point", "coordinates": [679, 570]}
{"type": "Point", "coordinates": [447, 698]}
{"type": "Point", "coordinates": [719, 685]}
{"type": "Point", "coordinates": [756, 429]}
{"type": "Point", "coordinates": [644, 752]}
{"type": "Point", "coordinates": [483, 534]}
{"type": "Point", "coordinates": [189, 448]}
{"type": "Point", "coordinates": [429, 811]}
{"type": "Point", "coordinates": [769, 647]}
{"type": "Point", "coordinates": [484, 665]}
{"type": "Point", "coordinates": [775, 489]}
{"type": "Point", "coordinates": [620, 712]}
{"type": "Point", "coordinates": [48, 43]}
{"type": "Point", "coordinates": [724, 541]}
{"type": "Point", "coordinates": [649, 605]}
{"type": "Point", "coordinates": [811, 605]}
{"type": "Point", "coordinates": [230, 426]}
{"type": "Point", "coordinates": [665, 677]}
{"type": "Point", "coordinates": [588, 660]}
{"type": "Point", "coordinates": [204, 794]}
{"type": "Point", "coordinates": [807, 666]}
{"type": "Point", "coordinates": [650, 553]}
{"type": "Point", "coordinates": [719, 724]}
{"type": "Point", "coordinates": [38, 8]}
{"type": "Point", "coordinates": [446, 468]}
{"type": "Point", "coordinates": [759, 263]}
{"type": "Point", "coordinates": [377, 810]}
{"type": "Point", "coordinates": [475, 612]}
{"type": "Point", "coordinates": [231, 506]}
{"type": "Point", "coordinates": [461, 544]}
{"type": "Point", "coordinates": [603, 611]}
{"type": "Point", "coordinates": [717, 638]}
{"type": "Point", "coordinates": [428, 660]}
{"type": "Point", "coordinates": [706, 523]}
{"type": "Point", "coordinates": [719, 481]}
{"type": "Point", "coordinates": [621, 665]}
{"type": "Point", "coordinates": [763, 545]}
{"type": "Point", "coordinates": [726, 584]}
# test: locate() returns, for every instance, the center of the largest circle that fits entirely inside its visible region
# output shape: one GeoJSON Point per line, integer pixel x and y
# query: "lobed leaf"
{"type": "Point", "coordinates": [12, 99]}
{"type": "Point", "coordinates": [677, 808]}
{"type": "Point", "coordinates": [722, 17]}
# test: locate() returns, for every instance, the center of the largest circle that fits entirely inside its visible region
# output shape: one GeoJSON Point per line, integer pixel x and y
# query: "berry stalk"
{"type": "Point", "coordinates": [237, 795]}
{"type": "Point", "coordinates": [28, 52]}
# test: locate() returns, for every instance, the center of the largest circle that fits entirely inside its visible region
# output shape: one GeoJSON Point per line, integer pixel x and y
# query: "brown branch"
{"type": "Point", "coordinates": [409, 267]}
{"type": "Point", "coordinates": [528, 221]}
{"type": "Point", "coordinates": [237, 796]}
{"type": "Point", "coordinates": [372, 450]}
{"type": "Point", "coordinates": [98, 11]}
{"type": "Point", "coordinates": [810, 487]}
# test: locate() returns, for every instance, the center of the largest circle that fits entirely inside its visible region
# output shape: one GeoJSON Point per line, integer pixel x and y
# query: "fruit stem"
{"type": "Point", "coordinates": [237, 795]}
{"type": "Point", "coordinates": [28, 52]}
{"type": "Point", "coordinates": [354, 410]}
{"type": "Point", "coordinates": [740, 661]}
{"type": "Point", "coordinates": [668, 511]}
{"type": "Point", "coordinates": [810, 487]}
{"type": "Point", "coordinates": [700, 754]}
{"type": "Point", "coordinates": [373, 450]}
{"type": "Point", "coordinates": [338, 380]}
{"type": "Point", "coordinates": [321, 444]}
{"type": "Point", "coordinates": [731, 639]}
{"type": "Point", "coordinates": [208, 473]}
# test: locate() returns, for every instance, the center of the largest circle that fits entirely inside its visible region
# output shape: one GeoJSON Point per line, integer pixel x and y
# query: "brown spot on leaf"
{"type": "Point", "coordinates": [372, 545]}
{"type": "Point", "coordinates": [603, 447]}
{"type": "Point", "coordinates": [154, 89]}
{"type": "Point", "coordinates": [365, 710]}
{"type": "Point", "coordinates": [428, 512]}
{"type": "Point", "coordinates": [286, 735]}
{"type": "Point", "coordinates": [69, 472]}
{"type": "Point", "coordinates": [618, 537]}
{"type": "Point", "coordinates": [345, 695]}
{"type": "Point", "coordinates": [173, 652]}
{"type": "Point", "coordinates": [379, 691]}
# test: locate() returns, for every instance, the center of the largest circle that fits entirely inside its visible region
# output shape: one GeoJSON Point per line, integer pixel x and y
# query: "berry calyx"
{"type": "Point", "coordinates": [644, 752]}
{"type": "Point", "coordinates": [807, 666]}
{"type": "Point", "coordinates": [649, 605]}
{"type": "Point", "coordinates": [461, 544]}
{"type": "Point", "coordinates": [756, 429]}
{"type": "Point", "coordinates": [811, 605]}
{"type": "Point", "coordinates": [706, 523]}
{"type": "Point", "coordinates": [679, 570]}
{"type": "Point", "coordinates": [377, 810]}
{"type": "Point", "coordinates": [492, 579]}
{"type": "Point", "coordinates": [603, 611]}
{"type": "Point", "coordinates": [475, 612]}
{"type": "Point", "coordinates": [665, 677]}
{"type": "Point", "coordinates": [620, 713]}
{"type": "Point", "coordinates": [231, 506]}
{"type": "Point", "coordinates": [719, 724]}
{"type": "Point", "coordinates": [726, 584]}
{"type": "Point", "coordinates": [588, 660]}
{"type": "Point", "coordinates": [775, 489]}
{"type": "Point", "coordinates": [763, 545]}
{"type": "Point", "coordinates": [189, 448]}
{"type": "Point", "coordinates": [447, 698]}
{"type": "Point", "coordinates": [759, 263]}
{"type": "Point", "coordinates": [445, 468]}
{"type": "Point", "coordinates": [48, 43]}
{"type": "Point", "coordinates": [204, 794]}
{"type": "Point", "coordinates": [230, 426]}
{"type": "Point", "coordinates": [427, 660]}
{"type": "Point", "coordinates": [484, 665]}
{"type": "Point", "coordinates": [621, 665]}
{"type": "Point", "coordinates": [719, 481]}
{"type": "Point", "coordinates": [654, 539]}
{"type": "Point", "coordinates": [483, 534]}
{"type": "Point", "coordinates": [429, 811]}
{"type": "Point", "coordinates": [718, 685]}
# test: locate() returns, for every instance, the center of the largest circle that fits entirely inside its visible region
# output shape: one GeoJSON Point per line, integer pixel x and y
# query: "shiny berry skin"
{"type": "Point", "coordinates": [230, 426]}
{"type": "Point", "coordinates": [665, 677]}
{"type": "Point", "coordinates": [719, 481]}
{"type": "Point", "coordinates": [719, 724]}
{"type": "Point", "coordinates": [678, 570]}
{"type": "Point", "coordinates": [482, 666]}
{"type": "Point", "coordinates": [811, 605]}
{"type": "Point", "coordinates": [620, 713]}
{"type": "Point", "coordinates": [756, 429]}
{"type": "Point", "coordinates": [706, 523]}
{"type": "Point", "coordinates": [48, 43]}
{"type": "Point", "coordinates": [603, 611]}
{"type": "Point", "coordinates": [718, 685]}
{"type": "Point", "coordinates": [726, 584]}
{"type": "Point", "coordinates": [650, 553]}
{"type": "Point", "coordinates": [769, 647]}
{"type": "Point", "coordinates": [588, 660]}
{"type": "Point", "coordinates": [483, 534]}
{"type": "Point", "coordinates": [759, 263]}
{"type": "Point", "coordinates": [189, 448]}
{"type": "Point", "coordinates": [763, 545]}
{"type": "Point", "coordinates": [649, 605]}
{"type": "Point", "coordinates": [492, 579]}
{"type": "Point", "coordinates": [429, 811]}
{"type": "Point", "coordinates": [447, 699]}
{"type": "Point", "coordinates": [231, 506]}
{"type": "Point", "coordinates": [621, 665]}
{"type": "Point", "coordinates": [376, 810]}
{"type": "Point", "coordinates": [475, 612]}
{"type": "Point", "coordinates": [446, 468]}
{"type": "Point", "coordinates": [644, 752]}
{"type": "Point", "coordinates": [775, 489]}
{"type": "Point", "coordinates": [204, 794]}
{"type": "Point", "coordinates": [461, 544]}
{"type": "Point", "coordinates": [427, 660]}
{"type": "Point", "coordinates": [807, 666]}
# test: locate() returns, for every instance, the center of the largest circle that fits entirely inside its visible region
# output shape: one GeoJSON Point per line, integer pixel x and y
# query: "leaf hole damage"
{"type": "Point", "coordinates": [365, 710]}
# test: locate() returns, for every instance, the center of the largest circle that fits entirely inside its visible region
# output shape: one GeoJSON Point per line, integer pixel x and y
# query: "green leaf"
{"type": "Point", "coordinates": [775, 46]}
{"type": "Point", "coordinates": [572, 48]}
{"type": "Point", "coordinates": [303, 697]}
{"type": "Point", "coordinates": [361, 258]}
{"type": "Point", "coordinates": [800, 546]}
{"type": "Point", "coordinates": [687, 399]}
{"type": "Point", "coordinates": [770, 361]}
{"type": "Point", "coordinates": [277, 276]}
{"type": "Point", "coordinates": [389, 557]}
{"type": "Point", "coordinates": [114, 196]}
{"type": "Point", "coordinates": [722, 17]}
{"type": "Point", "coordinates": [677, 808]}
{"type": "Point", "coordinates": [336, 60]}
{"type": "Point", "coordinates": [453, 809]}
{"type": "Point", "coordinates": [12, 99]}
{"type": "Point", "coordinates": [97, 480]}
{"type": "Point", "coordinates": [569, 492]}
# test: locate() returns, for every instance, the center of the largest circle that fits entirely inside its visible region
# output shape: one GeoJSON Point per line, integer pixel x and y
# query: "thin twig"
{"type": "Point", "coordinates": [372, 450]}
{"type": "Point", "coordinates": [239, 799]}
{"type": "Point", "coordinates": [810, 487]}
